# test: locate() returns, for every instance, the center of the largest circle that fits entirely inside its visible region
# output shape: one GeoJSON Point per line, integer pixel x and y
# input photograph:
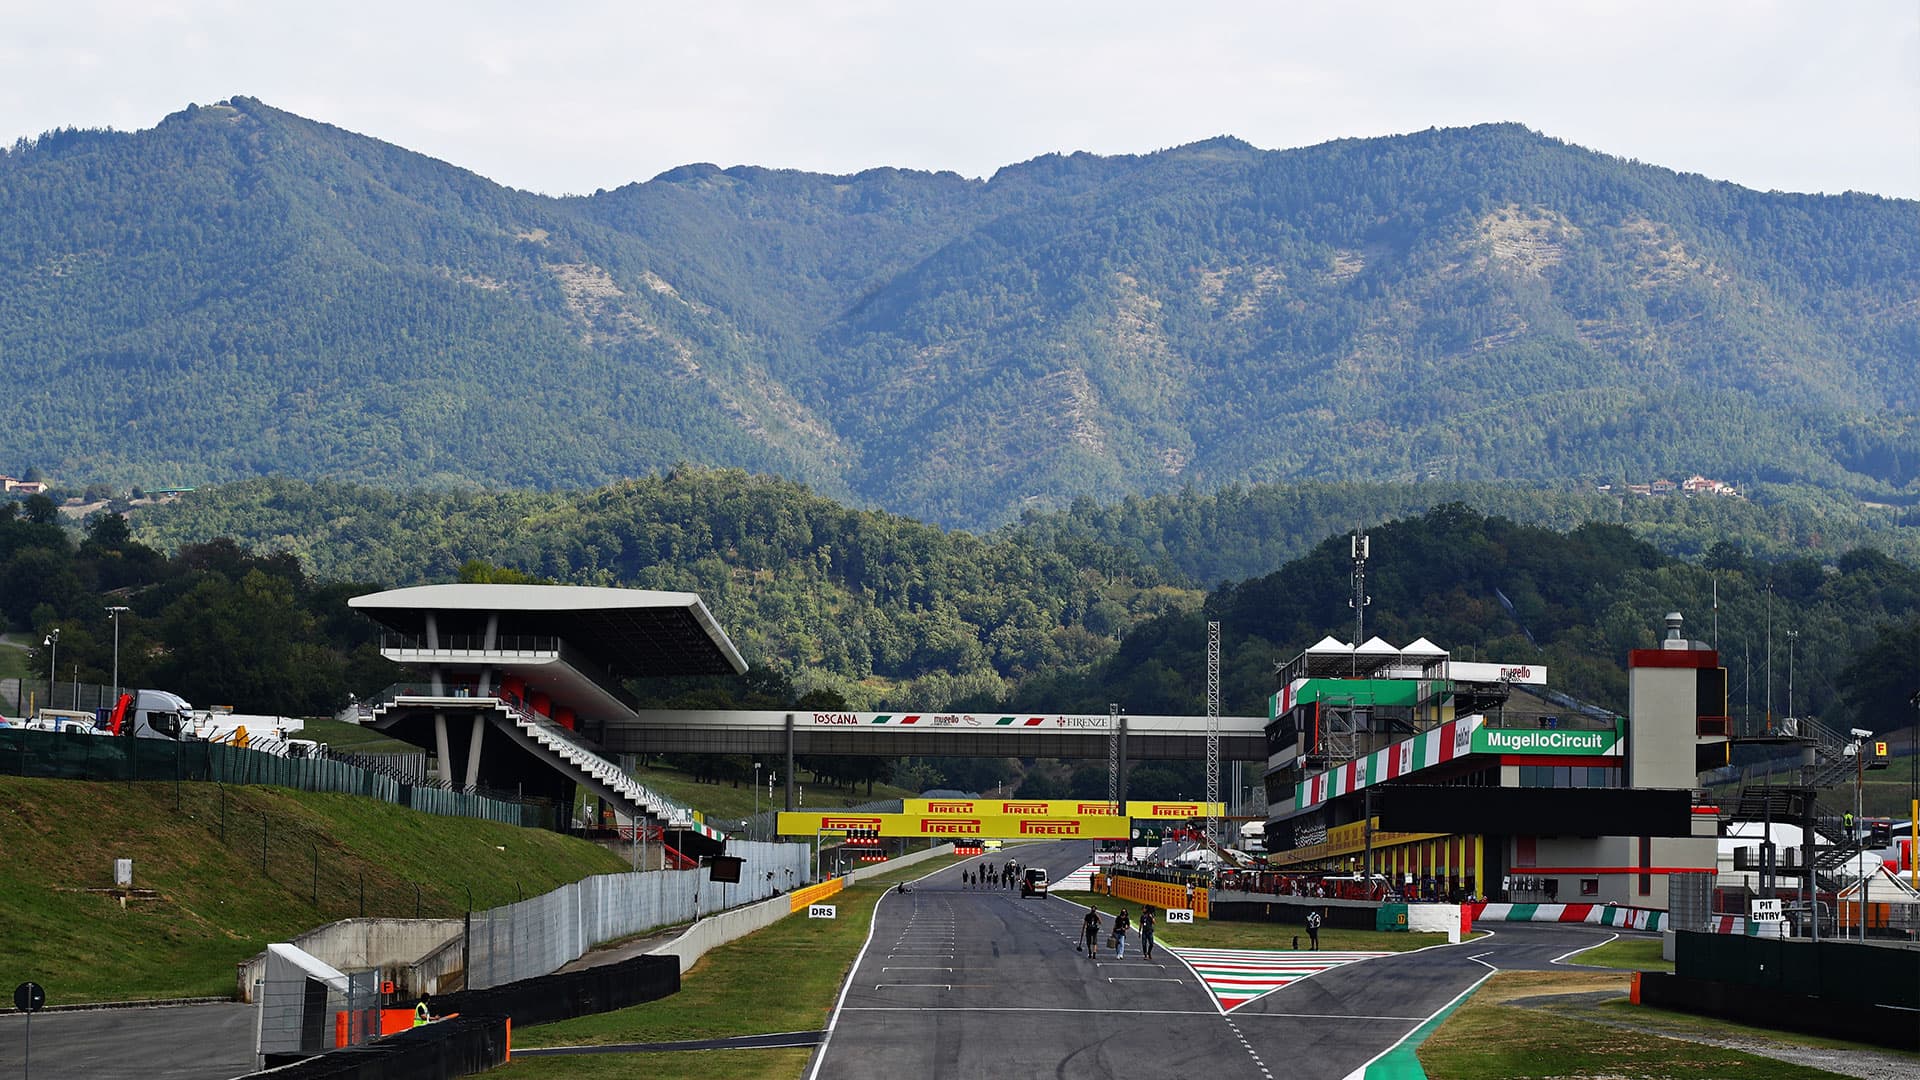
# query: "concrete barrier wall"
{"type": "Point", "coordinates": [539, 935]}
{"type": "Point", "coordinates": [1434, 919]}
{"type": "Point", "coordinates": [360, 944]}
{"type": "Point", "coordinates": [869, 870]}
{"type": "Point", "coordinates": [717, 930]}
{"type": "Point", "coordinates": [1594, 914]}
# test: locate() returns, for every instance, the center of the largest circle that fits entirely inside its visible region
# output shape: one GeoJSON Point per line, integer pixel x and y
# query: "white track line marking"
{"type": "Point", "coordinates": [873, 923]}
{"type": "Point", "coordinates": [1026, 1009]}
{"type": "Point", "coordinates": [1562, 958]}
{"type": "Point", "coordinates": [1361, 1072]}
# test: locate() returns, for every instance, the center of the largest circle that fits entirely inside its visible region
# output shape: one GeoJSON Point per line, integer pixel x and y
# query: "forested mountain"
{"type": "Point", "coordinates": [1095, 604]}
{"type": "Point", "coordinates": [240, 291]}
{"type": "Point", "coordinates": [861, 602]}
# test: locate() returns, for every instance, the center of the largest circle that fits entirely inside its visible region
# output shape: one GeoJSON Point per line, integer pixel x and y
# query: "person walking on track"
{"type": "Point", "coordinates": [1146, 933]}
{"type": "Point", "coordinates": [1120, 926]}
{"type": "Point", "coordinates": [1090, 931]}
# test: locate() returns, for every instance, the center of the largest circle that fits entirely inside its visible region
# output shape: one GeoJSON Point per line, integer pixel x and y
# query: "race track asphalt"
{"type": "Point", "coordinates": [176, 1042]}
{"type": "Point", "coordinates": [960, 984]}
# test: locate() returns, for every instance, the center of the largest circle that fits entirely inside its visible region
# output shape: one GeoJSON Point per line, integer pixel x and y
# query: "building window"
{"type": "Point", "coordinates": [1589, 886]}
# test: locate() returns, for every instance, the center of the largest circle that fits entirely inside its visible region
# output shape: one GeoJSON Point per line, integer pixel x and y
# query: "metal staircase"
{"type": "Point", "coordinates": [571, 752]}
{"type": "Point", "coordinates": [1828, 763]}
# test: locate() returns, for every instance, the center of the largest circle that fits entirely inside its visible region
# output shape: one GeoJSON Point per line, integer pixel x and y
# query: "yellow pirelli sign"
{"type": "Point", "coordinates": [959, 825]}
{"type": "Point", "coordinates": [1149, 809]}
{"type": "Point", "coordinates": [1011, 807]}
{"type": "Point", "coordinates": [1172, 809]}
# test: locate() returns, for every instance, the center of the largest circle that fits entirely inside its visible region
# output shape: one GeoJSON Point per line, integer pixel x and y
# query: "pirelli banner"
{"type": "Point", "coordinates": [953, 825]}
{"type": "Point", "coordinates": [1148, 809]}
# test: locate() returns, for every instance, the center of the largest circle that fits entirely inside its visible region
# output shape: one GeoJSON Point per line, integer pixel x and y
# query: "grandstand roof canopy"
{"type": "Point", "coordinates": [629, 632]}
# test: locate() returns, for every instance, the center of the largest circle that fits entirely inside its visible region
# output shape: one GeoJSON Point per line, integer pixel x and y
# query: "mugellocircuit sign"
{"type": "Point", "coordinates": [1583, 743]}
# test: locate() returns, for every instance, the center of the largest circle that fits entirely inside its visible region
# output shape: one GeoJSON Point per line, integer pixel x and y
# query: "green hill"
{"type": "Point", "coordinates": [231, 871]}
{"type": "Point", "coordinates": [240, 291]}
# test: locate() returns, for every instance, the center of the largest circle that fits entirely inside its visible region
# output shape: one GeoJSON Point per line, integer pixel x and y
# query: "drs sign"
{"type": "Point", "coordinates": [1179, 915]}
{"type": "Point", "coordinates": [821, 911]}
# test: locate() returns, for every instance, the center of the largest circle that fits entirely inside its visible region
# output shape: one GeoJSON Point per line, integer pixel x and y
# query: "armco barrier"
{"type": "Point", "coordinates": [462, 1045]}
{"type": "Point", "coordinates": [1767, 1008]}
{"type": "Point", "coordinates": [1594, 914]}
{"type": "Point", "coordinates": [568, 994]}
{"type": "Point", "coordinates": [1846, 972]}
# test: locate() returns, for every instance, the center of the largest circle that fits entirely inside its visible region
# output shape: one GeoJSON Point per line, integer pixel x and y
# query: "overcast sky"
{"type": "Point", "coordinates": [569, 97]}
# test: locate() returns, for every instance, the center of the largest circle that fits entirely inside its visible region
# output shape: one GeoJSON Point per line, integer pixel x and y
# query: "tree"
{"type": "Point", "coordinates": [109, 531]}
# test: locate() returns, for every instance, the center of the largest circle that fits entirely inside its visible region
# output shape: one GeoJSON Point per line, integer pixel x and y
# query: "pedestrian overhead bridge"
{"type": "Point", "coordinates": [524, 690]}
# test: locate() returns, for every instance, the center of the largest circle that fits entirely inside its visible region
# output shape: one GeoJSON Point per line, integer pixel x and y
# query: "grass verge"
{"type": "Point", "coordinates": [783, 978]}
{"type": "Point", "coordinates": [1211, 934]}
{"type": "Point", "coordinates": [217, 899]}
{"type": "Point", "coordinates": [1490, 1037]}
{"type": "Point", "coordinates": [1628, 954]}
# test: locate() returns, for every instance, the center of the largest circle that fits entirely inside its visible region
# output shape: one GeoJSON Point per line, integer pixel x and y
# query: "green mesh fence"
{"type": "Point", "coordinates": [75, 756]}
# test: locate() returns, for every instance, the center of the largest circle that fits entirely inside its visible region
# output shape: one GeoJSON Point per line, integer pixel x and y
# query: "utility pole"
{"type": "Point", "coordinates": [1213, 731]}
{"type": "Point", "coordinates": [1113, 756]}
{"type": "Point", "coordinates": [1769, 658]}
{"type": "Point", "coordinates": [1792, 636]}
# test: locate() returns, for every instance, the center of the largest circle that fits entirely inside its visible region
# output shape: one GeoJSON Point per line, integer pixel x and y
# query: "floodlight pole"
{"type": "Point", "coordinates": [53, 663]}
{"type": "Point", "coordinates": [1213, 733]}
{"type": "Point", "coordinates": [1859, 778]}
{"type": "Point", "coordinates": [115, 612]}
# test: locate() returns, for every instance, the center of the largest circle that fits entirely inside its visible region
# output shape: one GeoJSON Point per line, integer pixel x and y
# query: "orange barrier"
{"type": "Point", "coordinates": [800, 898]}
{"type": "Point", "coordinates": [1159, 894]}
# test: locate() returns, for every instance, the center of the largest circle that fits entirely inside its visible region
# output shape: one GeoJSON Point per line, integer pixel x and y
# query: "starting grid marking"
{"type": "Point", "coordinates": [1080, 880]}
{"type": "Point", "coordinates": [1237, 976]}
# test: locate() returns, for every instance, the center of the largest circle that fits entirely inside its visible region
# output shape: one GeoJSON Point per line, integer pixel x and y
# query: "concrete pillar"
{"type": "Point", "coordinates": [491, 640]}
{"type": "Point", "coordinates": [439, 686]}
{"type": "Point", "coordinates": [440, 744]}
{"type": "Point", "coordinates": [1123, 764]}
{"type": "Point", "coordinates": [473, 749]}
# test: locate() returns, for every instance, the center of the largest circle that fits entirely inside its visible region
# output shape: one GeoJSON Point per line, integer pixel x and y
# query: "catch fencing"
{"type": "Point", "coordinates": [538, 936]}
{"type": "Point", "coordinates": [17, 694]}
{"type": "Point", "coordinates": [83, 756]}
